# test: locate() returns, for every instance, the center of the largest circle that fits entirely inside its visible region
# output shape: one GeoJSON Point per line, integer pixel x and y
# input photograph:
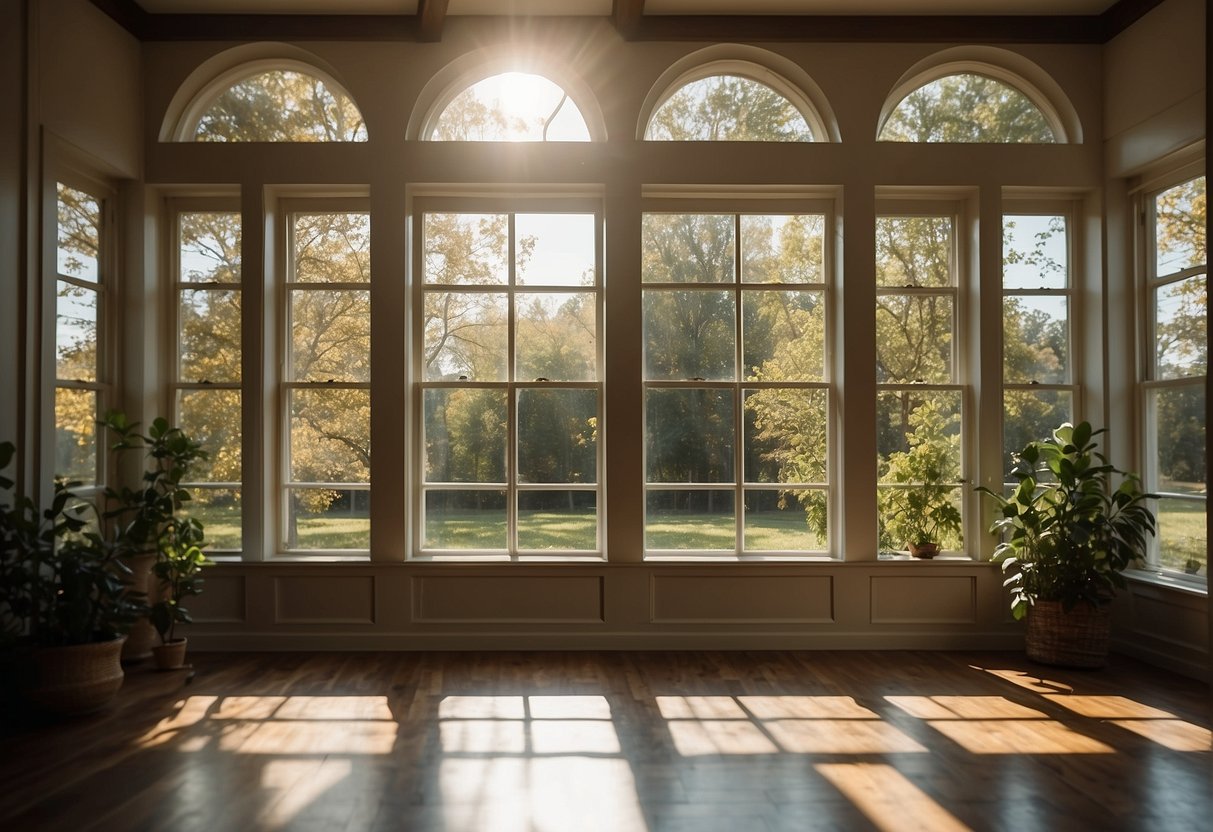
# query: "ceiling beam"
{"type": "Point", "coordinates": [627, 15]}
{"type": "Point", "coordinates": [1122, 14]}
{"type": "Point", "coordinates": [431, 14]}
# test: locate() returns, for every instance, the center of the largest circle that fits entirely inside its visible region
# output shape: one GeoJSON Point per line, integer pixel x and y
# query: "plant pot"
{"type": "Point", "coordinates": [1078, 638]}
{"type": "Point", "coordinates": [170, 656]}
{"type": "Point", "coordinates": [926, 551]}
{"type": "Point", "coordinates": [142, 637]}
{"type": "Point", "coordinates": [76, 679]}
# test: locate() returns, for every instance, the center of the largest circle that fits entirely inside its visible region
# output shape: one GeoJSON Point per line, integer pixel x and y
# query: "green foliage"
{"type": "Point", "coordinates": [967, 107]}
{"type": "Point", "coordinates": [1068, 534]}
{"type": "Point", "coordinates": [917, 503]}
{"type": "Point", "coordinates": [178, 569]}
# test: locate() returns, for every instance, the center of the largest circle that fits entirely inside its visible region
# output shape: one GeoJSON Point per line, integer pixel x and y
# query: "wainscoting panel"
{"type": "Point", "coordinates": [324, 599]}
{"type": "Point", "coordinates": [221, 602]}
{"type": "Point", "coordinates": [531, 599]}
{"type": "Point", "coordinates": [742, 599]}
{"type": "Point", "coordinates": [1181, 620]}
{"type": "Point", "coordinates": [898, 599]}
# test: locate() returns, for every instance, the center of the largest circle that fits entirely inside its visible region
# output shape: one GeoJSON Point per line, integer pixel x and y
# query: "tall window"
{"type": "Point", "coordinates": [919, 398]}
{"type": "Point", "coordinates": [1176, 369]}
{"type": "Point", "coordinates": [736, 382]}
{"type": "Point", "coordinates": [81, 288]}
{"type": "Point", "coordinates": [510, 356]}
{"type": "Point", "coordinates": [1037, 346]}
{"type": "Point", "coordinates": [207, 379]}
{"type": "Point", "coordinates": [326, 395]}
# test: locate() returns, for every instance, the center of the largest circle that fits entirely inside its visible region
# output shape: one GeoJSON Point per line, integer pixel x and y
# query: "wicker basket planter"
{"type": "Point", "coordinates": [1078, 638]}
{"type": "Point", "coordinates": [78, 678]}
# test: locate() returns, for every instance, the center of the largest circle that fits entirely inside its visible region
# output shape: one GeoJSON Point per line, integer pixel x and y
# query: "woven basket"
{"type": "Point", "coordinates": [1078, 638]}
{"type": "Point", "coordinates": [77, 679]}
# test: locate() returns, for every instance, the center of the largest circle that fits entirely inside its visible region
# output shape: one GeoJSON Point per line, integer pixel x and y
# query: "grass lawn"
{"type": "Point", "coordinates": [1182, 534]}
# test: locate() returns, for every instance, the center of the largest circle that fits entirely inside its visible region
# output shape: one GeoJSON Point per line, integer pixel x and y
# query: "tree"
{"type": "Point", "coordinates": [281, 106]}
{"type": "Point", "coordinates": [967, 107]}
{"type": "Point", "coordinates": [728, 108]}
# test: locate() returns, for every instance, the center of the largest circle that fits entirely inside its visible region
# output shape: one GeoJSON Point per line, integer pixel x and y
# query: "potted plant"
{"type": "Point", "coordinates": [64, 600]}
{"type": "Point", "coordinates": [143, 517]}
{"type": "Point", "coordinates": [1069, 532]}
{"type": "Point", "coordinates": [917, 507]}
{"type": "Point", "coordinates": [178, 570]}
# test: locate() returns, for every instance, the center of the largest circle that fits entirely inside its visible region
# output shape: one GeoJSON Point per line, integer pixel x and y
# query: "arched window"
{"type": "Point", "coordinates": [969, 107]}
{"type": "Point", "coordinates": [728, 108]}
{"type": "Point", "coordinates": [511, 107]}
{"type": "Point", "coordinates": [278, 105]}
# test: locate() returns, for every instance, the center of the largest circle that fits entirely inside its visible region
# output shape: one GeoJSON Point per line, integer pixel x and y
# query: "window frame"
{"type": "Point", "coordinates": [813, 203]}
{"type": "Point", "coordinates": [511, 205]}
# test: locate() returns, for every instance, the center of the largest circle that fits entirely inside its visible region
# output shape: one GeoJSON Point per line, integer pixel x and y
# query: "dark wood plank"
{"type": "Point", "coordinates": [621, 741]}
{"type": "Point", "coordinates": [431, 14]}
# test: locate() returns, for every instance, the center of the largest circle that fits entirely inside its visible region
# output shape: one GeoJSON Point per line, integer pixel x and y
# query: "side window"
{"type": "Point", "coordinates": [1176, 369]}
{"type": "Point", "coordinates": [207, 296]}
{"type": "Point", "coordinates": [82, 282]}
{"type": "Point", "coordinates": [510, 375]}
{"type": "Point", "coordinates": [736, 382]}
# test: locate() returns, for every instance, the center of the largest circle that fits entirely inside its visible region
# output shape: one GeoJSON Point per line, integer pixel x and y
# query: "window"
{"type": "Point", "coordinates": [326, 386]}
{"type": "Point", "coordinates": [81, 293]}
{"type": "Point", "coordinates": [510, 355]}
{"type": "Point", "coordinates": [728, 108]}
{"type": "Point", "coordinates": [281, 105]}
{"type": "Point", "coordinates": [919, 396]}
{"type": "Point", "coordinates": [511, 107]}
{"type": "Point", "coordinates": [967, 107]}
{"type": "Point", "coordinates": [1176, 369]}
{"type": "Point", "coordinates": [1037, 346]}
{"type": "Point", "coordinates": [207, 374]}
{"type": "Point", "coordinates": [737, 393]}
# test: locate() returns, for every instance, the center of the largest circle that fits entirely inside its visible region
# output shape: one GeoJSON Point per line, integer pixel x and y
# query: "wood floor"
{"type": "Point", "coordinates": [622, 741]}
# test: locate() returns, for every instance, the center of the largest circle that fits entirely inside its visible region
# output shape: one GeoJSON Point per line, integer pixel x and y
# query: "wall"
{"type": "Point", "coordinates": [12, 210]}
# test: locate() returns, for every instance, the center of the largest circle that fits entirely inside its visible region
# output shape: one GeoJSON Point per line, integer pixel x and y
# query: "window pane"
{"type": "Point", "coordinates": [219, 511]}
{"type": "Point", "coordinates": [690, 335]}
{"type": "Point", "coordinates": [558, 436]}
{"type": "Point", "coordinates": [466, 336]}
{"type": "Point", "coordinates": [209, 336]}
{"type": "Point", "coordinates": [1181, 328]}
{"type": "Point", "coordinates": [465, 435]}
{"type": "Point", "coordinates": [326, 518]}
{"type": "Point", "coordinates": [1031, 416]}
{"type": "Point", "coordinates": [79, 234]}
{"type": "Point", "coordinates": [914, 339]}
{"type": "Point", "coordinates": [1034, 252]}
{"type": "Point", "coordinates": [1180, 214]}
{"type": "Point", "coordinates": [212, 417]}
{"type": "Point", "coordinates": [330, 335]}
{"type": "Point", "coordinates": [330, 435]}
{"type": "Point", "coordinates": [511, 107]}
{"type": "Point", "coordinates": [914, 251]}
{"type": "Point", "coordinates": [783, 249]}
{"type": "Point", "coordinates": [556, 336]}
{"type": "Point", "coordinates": [918, 436]}
{"type": "Point", "coordinates": [724, 108]}
{"type": "Point", "coordinates": [967, 107]}
{"type": "Point", "coordinates": [785, 520]}
{"type": "Point", "coordinates": [689, 435]}
{"type": "Point", "coordinates": [210, 247]}
{"type": "Point", "coordinates": [783, 335]}
{"type": "Point", "coordinates": [281, 106]}
{"type": "Point", "coordinates": [467, 249]}
{"type": "Point", "coordinates": [76, 435]}
{"type": "Point", "coordinates": [465, 520]}
{"type": "Point", "coordinates": [785, 436]}
{"type": "Point", "coordinates": [555, 249]}
{"type": "Point", "coordinates": [1036, 335]}
{"type": "Point", "coordinates": [690, 520]}
{"type": "Point", "coordinates": [75, 332]}
{"type": "Point", "coordinates": [688, 248]}
{"type": "Point", "coordinates": [558, 520]}
{"type": "Point", "coordinates": [1183, 543]}
{"type": "Point", "coordinates": [1178, 417]}
{"type": "Point", "coordinates": [332, 248]}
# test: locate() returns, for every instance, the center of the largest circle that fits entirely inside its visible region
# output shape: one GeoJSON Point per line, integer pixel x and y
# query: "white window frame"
{"type": "Point", "coordinates": [510, 205]}
{"type": "Point", "coordinates": [659, 201]}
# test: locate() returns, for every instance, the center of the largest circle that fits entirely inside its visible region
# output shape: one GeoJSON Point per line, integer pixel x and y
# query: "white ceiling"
{"type": "Point", "coordinates": [651, 7]}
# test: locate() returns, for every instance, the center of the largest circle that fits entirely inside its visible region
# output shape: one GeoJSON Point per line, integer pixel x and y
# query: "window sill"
{"type": "Point", "coordinates": [1166, 580]}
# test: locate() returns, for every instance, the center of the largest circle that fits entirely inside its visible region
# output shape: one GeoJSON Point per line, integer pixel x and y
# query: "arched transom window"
{"type": "Point", "coordinates": [281, 105]}
{"type": "Point", "coordinates": [728, 108]}
{"type": "Point", "coordinates": [968, 107]}
{"type": "Point", "coordinates": [511, 107]}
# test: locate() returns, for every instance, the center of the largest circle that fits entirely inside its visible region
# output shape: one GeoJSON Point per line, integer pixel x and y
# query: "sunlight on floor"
{"type": "Point", "coordinates": [887, 798]}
